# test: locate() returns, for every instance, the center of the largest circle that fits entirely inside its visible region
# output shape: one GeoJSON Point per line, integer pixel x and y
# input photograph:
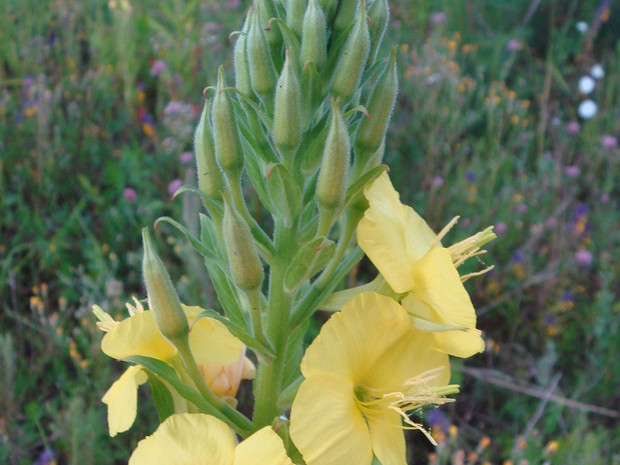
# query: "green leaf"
{"type": "Point", "coordinates": [314, 141]}
{"type": "Point", "coordinates": [285, 194]}
{"type": "Point", "coordinates": [214, 206]}
{"type": "Point", "coordinates": [210, 238]}
{"type": "Point", "coordinates": [311, 89]}
{"type": "Point", "coordinates": [195, 243]}
{"type": "Point", "coordinates": [308, 261]}
{"type": "Point", "coordinates": [161, 397]}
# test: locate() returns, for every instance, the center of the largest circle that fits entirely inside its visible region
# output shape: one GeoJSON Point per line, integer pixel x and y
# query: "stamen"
{"type": "Point", "coordinates": [445, 231]}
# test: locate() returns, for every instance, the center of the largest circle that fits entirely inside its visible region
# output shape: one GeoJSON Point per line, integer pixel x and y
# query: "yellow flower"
{"type": "Point", "coordinates": [191, 439]}
{"type": "Point", "coordinates": [364, 372]}
{"type": "Point", "coordinates": [219, 355]}
{"type": "Point", "coordinates": [412, 260]}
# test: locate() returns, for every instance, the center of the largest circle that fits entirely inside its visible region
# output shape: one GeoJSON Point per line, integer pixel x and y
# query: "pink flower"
{"type": "Point", "coordinates": [583, 257]}
{"type": "Point", "coordinates": [514, 45]}
{"type": "Point", "coordinates": [439, 18]}
{"type": "Point", "coordinates": [572, 171]}
{"type": "Point", "coordinates": [130, 194]}
{"type": "Point", "coordinates": [500, 228]}
{"type": "Point", "coordinates": [573, 128]}
{"type": "Point", "coordinates": [157, 67]}
{"type": "Point", "coordinates": [521, 209]}
{"type": "Point", "coordinates": [604, 198]}
{"type": "Point", "coordinates": [609, 142]}
{"type": "Point", "coordinates": [186, 157]}
{"type": "Point", "coordinates": [437, 181]}
{"type": "Point", "coordinates": [174, 186]}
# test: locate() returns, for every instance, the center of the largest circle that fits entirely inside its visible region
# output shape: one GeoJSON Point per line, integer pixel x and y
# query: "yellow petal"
{"type": "Point", "coordinates": [211, 342]}
{"type": "Point", "coordinates": [351, 342]}
{"type": "Point", "coordinates": [409, 356]}
{"type": "Point", "coordinates": [326, 424]}
{"type": "Point", "coordinates": [387, 438]}
{"type": "Point", "coordinates": [137, 335]}
{"type": "Point", "coordinates": [262, 448]}
{"type": "Point", "coordinates": [187, 439]}
{"type": "Point", "coordinates": [122, 399]}
{"type": "Point", "coordinates": [393, 235]}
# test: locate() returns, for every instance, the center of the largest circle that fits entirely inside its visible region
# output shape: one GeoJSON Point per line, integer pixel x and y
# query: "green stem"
{"type": "Point", "coordinates": [222, 410]}
{"type": "Point", "coordinates": [269, 376]}
{"type": "Point", "coordinates": [255, 313]}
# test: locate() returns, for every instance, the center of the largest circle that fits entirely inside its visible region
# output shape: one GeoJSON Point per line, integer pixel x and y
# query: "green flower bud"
{"type": "Point", "coordinates": [352, 62]}
{"type": "Point", "coordinates": [379, 14]}
{"type": "Point", "coordinates": [266, 11]}
{"type": "Point", "coordinates": [262, 71]}
{"type": "Point", "coordinates": [227, 142]}
{"type": "Point", "coordinates": [332, 182]}
{"type": "Point", "coordinates": [314, 36]}
{"type": "Point", "coordinates": [242, 67]}
{"type": "Point", "coordinates": [345, 15]}
{"type": "Point", "coordinates": [245, 265]}
{"type": "Point", "coordinates": [210, 179]}
{"type": "Point", "coordinates": [163, 300]}
{"type": "Point", "coordinates": [371, 131]}
{"type": "Point", "coordinates": [295, 15]}
{"type": "Point", "coordinates": [287, 113]}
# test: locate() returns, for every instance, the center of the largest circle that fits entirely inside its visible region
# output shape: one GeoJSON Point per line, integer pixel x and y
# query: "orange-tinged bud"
{"type": "Point", "coordinates": [314, 36]}
{"type": "Point", "coordinates": [245, 266]}
{"type": "Point", "coordinates": [163, 300]}
{"type": "Point", "coordinates": [210, 179]}
{"type": "Point", "coordinates": [352, 62]}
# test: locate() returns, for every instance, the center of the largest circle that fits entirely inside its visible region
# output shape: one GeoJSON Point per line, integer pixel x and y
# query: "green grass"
{"type": "Point", "coordinates": [479, 131]}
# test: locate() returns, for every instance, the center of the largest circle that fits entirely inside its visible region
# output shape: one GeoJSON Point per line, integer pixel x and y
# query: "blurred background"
{"type": "Point", "coordinates": [508, 115]}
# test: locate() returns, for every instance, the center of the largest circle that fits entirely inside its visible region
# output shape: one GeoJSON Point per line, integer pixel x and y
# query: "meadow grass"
{"type": "Point", "coordinates": [98, 105]}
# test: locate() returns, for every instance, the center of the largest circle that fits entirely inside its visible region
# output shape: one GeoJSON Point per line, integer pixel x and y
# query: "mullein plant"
{"type": "Point", "coordinates": [304, 126]}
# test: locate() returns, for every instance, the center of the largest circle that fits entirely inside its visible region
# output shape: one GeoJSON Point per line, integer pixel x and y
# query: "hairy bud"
{"type": "Point", "coordinates": [287, 113]}
{"type": "Point", "coordinates": [379, 14]}
{"type": "Point", "coordinates": [210, 179]}
{"type": "Point", "coordinates": [227, 142]}
{"type": "Point", "coordinates": [295, 15]}
{"type": "Point", "coordinates": [262, 71]}
{"type": "Point", "coordinates": [243, 81]}
{"type": "Point", "coordinates": [314, 36]}
{"type": "Point", "coordinates": [163, 300]}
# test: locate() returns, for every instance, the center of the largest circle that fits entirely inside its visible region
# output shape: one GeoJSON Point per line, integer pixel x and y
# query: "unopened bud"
{"type": "Point", "coordinates": [266, 11]}
{"type": "Point", "coordinates": [314, 36]}
{"type": "Point", "coordinates": [210, 179]}
{"type": "Point", "coordinates": [163, 300]}
{"type": "Point", "coordinates": [332, 182]}
{"type": "Point", "coordinates": [352, 62]}
{"type": "Point", "coordinates": [295, 15]}
{"type": "Point", "coordinates": [245, 265]}
{"type": "Point", "coordinates": [227, 142]}
{"type": "Point", "coordinates": [262, 71]}
{"type": "Point", "coordinates": [372, 130]}
{"type": "Point", "coordinates": [287, 112]}
{"type": "Point", "coordinates": [242, 68]}
{"type": "Point", "coordinates": [345, 15]}
{"type": "Point", "coordinates": [379, 14]}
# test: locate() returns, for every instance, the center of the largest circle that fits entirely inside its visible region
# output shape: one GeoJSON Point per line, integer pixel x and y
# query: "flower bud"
{"type": "Point", "coordinates": [295, 15]}
{"type": "Point", "coordinates": [243, 81]}
{"type": "Point", "coordinates": [352, 62]}
{"type": "Point", "coordinates": [287, 112]}
{"type": "Point", "coordinates": [379, 14]}
{"type": "Point", "coordinates": [332, 183]}
{"type": "Point", "coordinates": [371, 131]}
{"type": "Point", "coordinates": [227, 142]}
{"type": "Point", "coordinates": [210, 179]}
{"type": "Point", "coordinates": [314, 36]}
{"type": "Point", "coordinates": [163, 300]}
{"type": "Point", "coordinates": [262, 71]}
{"type": "Point", "coordinates": [245, 265]}
{"type": "Point", "coordinates": [266, 11]}
{"type": "Point", "coordinates": [345, 15]}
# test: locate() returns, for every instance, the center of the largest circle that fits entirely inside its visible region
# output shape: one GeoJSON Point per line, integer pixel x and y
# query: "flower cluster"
{"type": "Point", "coordinates": [302, 125]}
